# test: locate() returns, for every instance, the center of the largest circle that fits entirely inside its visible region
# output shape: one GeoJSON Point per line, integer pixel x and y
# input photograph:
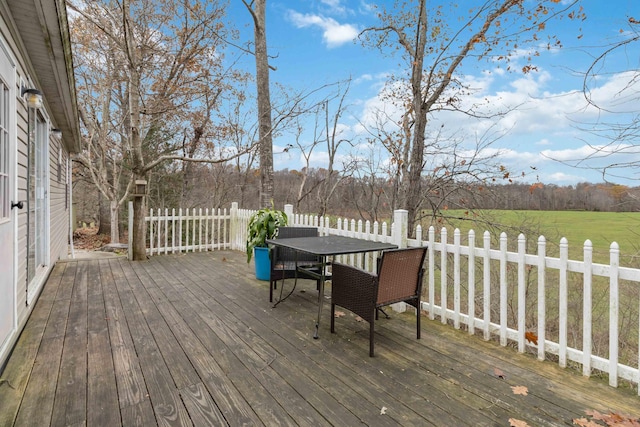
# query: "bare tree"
{"type": "Point", "coordinates": [433, 53]}
{"type": "Point", "coordinates": [326, 134]}
{"type": "Point", "coordinates": [150, 77]}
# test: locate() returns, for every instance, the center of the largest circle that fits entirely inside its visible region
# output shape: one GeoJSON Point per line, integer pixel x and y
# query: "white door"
{"type": "Point", "coordinates": [7, 194]}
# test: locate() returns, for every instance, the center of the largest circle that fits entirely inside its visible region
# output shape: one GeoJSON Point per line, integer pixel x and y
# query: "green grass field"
{"type": "Point", "coordinates": [602, 228]}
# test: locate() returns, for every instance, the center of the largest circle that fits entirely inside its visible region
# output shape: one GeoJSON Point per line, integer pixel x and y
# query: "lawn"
{"type": "Point", "coordinates": [602, 228]}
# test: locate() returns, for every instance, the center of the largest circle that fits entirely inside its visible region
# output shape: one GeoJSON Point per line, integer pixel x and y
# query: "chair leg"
{"type": "Point", "coordinates": [271, 285]}
{"type": "Point", "coordinates": [371, 338]}
{"type": "Point", "coordinates": [418, 316]}
{"type": "Point", "coordinates": [386, 316]}
{"type": "Point", "coordinates": [333, 318]}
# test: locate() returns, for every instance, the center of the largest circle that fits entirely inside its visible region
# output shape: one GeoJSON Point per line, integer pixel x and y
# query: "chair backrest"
{"type": "Point", "coordinates": [285, 254]}
{"type": "Point", "coordinates": [400, 274]}
{"type": "Point", "coordinates": [287, 232]}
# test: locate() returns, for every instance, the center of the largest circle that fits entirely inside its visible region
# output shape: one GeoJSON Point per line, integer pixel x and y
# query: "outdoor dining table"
{"type": "Point", "coordinates": [329, 246]}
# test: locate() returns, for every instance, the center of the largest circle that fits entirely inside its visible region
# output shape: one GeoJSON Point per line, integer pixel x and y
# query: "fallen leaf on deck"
{"type": "Point", "coordinates": [520, 389]}
{"type": "Point", "coordinates": [517, 423]}
{"type": "Point", "coordinates": [359, 319]}
{"type": "Point", "coordinates": [583, 422]}
{"type": "Point", "coordinates": [383, 411]}
{"type": "Point", "coordinates": [611, 419]}
{"type": "Point", "coordinates": [498, 373]}
{"type": "Point", "coordinates": [531, 337]}
{"type": "Point", "coordinates": [339, 314]}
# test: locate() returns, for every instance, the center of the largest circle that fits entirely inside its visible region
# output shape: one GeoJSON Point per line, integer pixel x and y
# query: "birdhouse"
{"type": "Point", "coordinates": [140, 188]}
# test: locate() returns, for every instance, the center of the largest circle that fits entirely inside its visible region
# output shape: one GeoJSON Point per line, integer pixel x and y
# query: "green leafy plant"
{"type": "Point", "coordinates": [263, 225]}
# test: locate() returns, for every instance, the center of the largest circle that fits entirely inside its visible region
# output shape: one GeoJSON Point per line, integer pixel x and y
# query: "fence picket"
{"type": "Point", "coordinates": [503, 289]}
{"type": "Point", "coordinates": [542, 304]}
{"type": "Point", "coordinates": [431, 270]}
{"type": "Point", "coordinates": [443, 275]}
{"type": "Point", "coordinates": [456, 278]}
{"type": "Point", "coordinates": [587, 304]}
{"type": "Point", "coordinates": [471, 282]}
{"type": "Point", "coordinates": [522, 327]}
{"type": "Point", "coordinates": [614, 259]}
{"type": "Point", "coordinates": [562, 338]}
{"type": "Point", "coordinates": [486, 283]}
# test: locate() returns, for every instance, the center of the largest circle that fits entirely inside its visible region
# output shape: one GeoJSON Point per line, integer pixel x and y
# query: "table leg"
{"type": "Point", "coordinates": [320, 296]}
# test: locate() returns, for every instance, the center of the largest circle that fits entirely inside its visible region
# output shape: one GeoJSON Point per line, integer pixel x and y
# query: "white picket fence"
{"type": "Point", "coordinates": [519, 298]}
{"type": "Point", "coordinates": [529, 330]}
{"type": "Point", "coordinates": [187, 231]}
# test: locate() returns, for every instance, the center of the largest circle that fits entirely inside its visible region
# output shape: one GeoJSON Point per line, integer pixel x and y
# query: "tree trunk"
{"type": "Point", "coordinates": [139, 242]}
{"type": "Point", "coordinates": [115, 221]}
{"type": "Point", "coordinates": [412, 187]}
{"type": "Point", "coordinates": [264, 106]}
{"type": "Point", "coordinates": [139, 250]}
{"type": "Point", "coordinates": [104, 215]}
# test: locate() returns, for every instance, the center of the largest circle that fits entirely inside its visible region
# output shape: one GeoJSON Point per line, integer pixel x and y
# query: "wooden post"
{"type": "Point", "coordinates": [138, 230]}
{"type": "Point", "coordinates": [130, 233]}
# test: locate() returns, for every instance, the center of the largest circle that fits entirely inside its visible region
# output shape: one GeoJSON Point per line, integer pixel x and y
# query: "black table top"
{"type": "Point", "coordinates": [331, 245]}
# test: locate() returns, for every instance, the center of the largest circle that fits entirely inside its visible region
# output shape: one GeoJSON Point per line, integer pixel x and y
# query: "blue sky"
{"type": "Point", "coordinates": [312, 42]}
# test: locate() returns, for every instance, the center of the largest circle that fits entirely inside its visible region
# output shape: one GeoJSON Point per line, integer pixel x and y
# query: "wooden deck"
{"type": "Point", "coordinates": [192, 339]}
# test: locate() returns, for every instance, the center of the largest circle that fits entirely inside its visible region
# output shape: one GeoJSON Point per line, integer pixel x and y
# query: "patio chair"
{"type": "Point", "coordinates": [283, 260]}
{"type": "Point", "coordinates": [399, 279]}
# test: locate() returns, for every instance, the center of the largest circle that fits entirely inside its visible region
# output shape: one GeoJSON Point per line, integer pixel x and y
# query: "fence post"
{"type": "Point", "coordinates": [400, 229]}
{"type": "Point", "coordinates": [288, 210]}
{"type": "Point", "coordinates": [233, 226]}
{"type": "Point", "coordinates": [399, 237]}
{"type": "Point", "coordinates": [130, 233]}
{"type": "Point", "coordinates": [614, 307]}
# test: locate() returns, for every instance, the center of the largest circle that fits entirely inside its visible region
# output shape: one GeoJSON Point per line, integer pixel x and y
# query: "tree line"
{"type": "Point", "coordinates": [215, 186]}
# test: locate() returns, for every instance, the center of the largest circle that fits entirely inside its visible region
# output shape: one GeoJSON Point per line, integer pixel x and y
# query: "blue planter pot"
{"type": "Point", "coordinates": [263, 263]}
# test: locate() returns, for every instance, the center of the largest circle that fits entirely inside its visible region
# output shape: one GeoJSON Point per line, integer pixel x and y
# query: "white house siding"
{"type": "Point", "coordinates": [58, 199]}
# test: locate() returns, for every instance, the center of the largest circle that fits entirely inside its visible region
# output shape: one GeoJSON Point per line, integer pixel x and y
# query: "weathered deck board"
{"type": "Point", "coordinates": [163, 394]}
{"type": "Point", "coordinates": [102, 390]}
{"type": "Point", "coordinates": [135, 407]}
{"type": "Point", "coordinates": [37, 406]}
{"type": "Point", "coordinates": [15, 378]}
{"type": "Point", "coordinates": [71, 396]}
{"type": "Point", "coordinates": [192, 340]}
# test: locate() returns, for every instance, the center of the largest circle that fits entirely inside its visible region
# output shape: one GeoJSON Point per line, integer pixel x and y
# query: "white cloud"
{"type": "Point", "coordinates": [363, 78]}
{"type": "Point", "coordinates": [334, 34]}
{"type": "Point", "coordinates": [562, 178]}
{"type": "Point", "coordinates": [618, 94]}
{"type": "Point", "coordinates": [335, 7]}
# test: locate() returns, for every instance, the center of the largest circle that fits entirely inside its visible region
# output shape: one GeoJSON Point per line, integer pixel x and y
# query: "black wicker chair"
{"type": "Point", "coordinates": [283, 260]}
{"type": "Point", "coordinates": [399, 279]}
